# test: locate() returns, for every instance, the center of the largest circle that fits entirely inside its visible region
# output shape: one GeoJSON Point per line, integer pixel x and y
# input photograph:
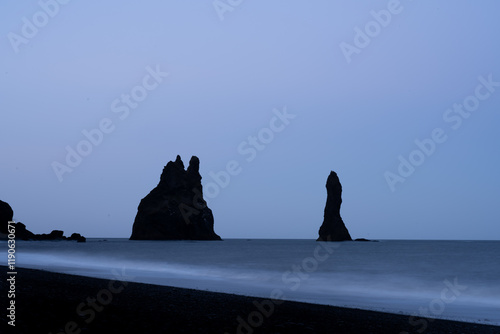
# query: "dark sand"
{"type": "Point", "coordinates": [47, 302]}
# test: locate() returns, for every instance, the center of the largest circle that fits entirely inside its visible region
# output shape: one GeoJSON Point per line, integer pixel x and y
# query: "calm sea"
{"type": "Point", "coordinates": [457, 280]}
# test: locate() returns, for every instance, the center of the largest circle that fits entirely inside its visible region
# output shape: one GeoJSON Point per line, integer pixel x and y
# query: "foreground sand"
{"type": "Point", "coordinates": [50, 302]}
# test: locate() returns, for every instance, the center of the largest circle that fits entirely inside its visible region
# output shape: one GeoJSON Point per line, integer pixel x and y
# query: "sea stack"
{"type": "Point", "coordinates": [333, 228]}
{"type": "Point", "coordinates": [175, 209]}
{"type": "Point", "coordinates": [6, 215]}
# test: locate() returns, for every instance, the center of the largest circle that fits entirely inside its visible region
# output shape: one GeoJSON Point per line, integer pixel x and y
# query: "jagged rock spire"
{"type": "Point", "coordinates": [333, 227]}
{"type": "Point", "coordinates": [175, 209]}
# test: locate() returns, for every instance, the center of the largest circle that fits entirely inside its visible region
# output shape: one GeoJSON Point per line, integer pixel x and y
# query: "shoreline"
{"type": "Point", "coordinates": [48, 302]}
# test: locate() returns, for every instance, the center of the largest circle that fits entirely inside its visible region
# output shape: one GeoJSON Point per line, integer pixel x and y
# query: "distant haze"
{"type": "Point", "coordinates": [400, 98]}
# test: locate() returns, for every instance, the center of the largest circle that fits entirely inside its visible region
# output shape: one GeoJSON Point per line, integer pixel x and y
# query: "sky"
{"type": "Point", "coordinates": [400, 98]}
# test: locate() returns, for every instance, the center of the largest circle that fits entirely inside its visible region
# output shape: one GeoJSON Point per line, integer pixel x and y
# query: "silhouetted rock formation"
{"type": "Point", "coordinates": [175, 209]}
{"type": "Point", "coordinates": [333, 228]}
{"type": "Point", "coordinates": [363, 239]}
{"type": "Point", "coordinates": [6, 215]}
{"type": "Point", "coordinates": [77, 237]}
{"type": "Point", "coordinates": [22, 233]}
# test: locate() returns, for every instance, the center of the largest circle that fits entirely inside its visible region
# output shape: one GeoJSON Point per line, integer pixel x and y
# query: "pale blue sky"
{"type": "Point", "coordinates": [225, 79]}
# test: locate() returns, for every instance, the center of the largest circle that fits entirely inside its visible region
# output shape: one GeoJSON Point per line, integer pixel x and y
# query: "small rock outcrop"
{"type": "Point", "coordinates": [175, 209]}
{"type": "Point", "coordinates": [22, 233]}
{"type": "Point", "coordinates": [6, 215]}
{"type": "Point", "coordinates": [333, 227]}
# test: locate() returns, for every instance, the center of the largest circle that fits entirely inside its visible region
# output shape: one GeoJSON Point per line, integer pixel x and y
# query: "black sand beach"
{"type": "Point", "coordinates": [49, 302]}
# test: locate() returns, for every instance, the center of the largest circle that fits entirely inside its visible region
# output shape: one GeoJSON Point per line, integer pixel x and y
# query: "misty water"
{"type": "Point", "coordinates": [456, 280]}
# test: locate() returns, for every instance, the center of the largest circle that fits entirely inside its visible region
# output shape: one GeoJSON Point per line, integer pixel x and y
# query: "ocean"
{"type": "Point", "coordinates": [456, 280]}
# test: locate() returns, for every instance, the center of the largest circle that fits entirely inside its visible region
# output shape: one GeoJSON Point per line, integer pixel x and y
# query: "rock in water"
{"type": "Point", "coordinates": [6, 214]}
{"type": "Point", "coordinates": [333, 228]}
{"type": "Point", "coordinates": [175, 209]}
{"type": "Point", "coordinates": [20, 231]}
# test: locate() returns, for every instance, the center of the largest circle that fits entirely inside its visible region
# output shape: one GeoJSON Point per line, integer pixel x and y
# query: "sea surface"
{"type": "Point", "coordinates": [457, 280]}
